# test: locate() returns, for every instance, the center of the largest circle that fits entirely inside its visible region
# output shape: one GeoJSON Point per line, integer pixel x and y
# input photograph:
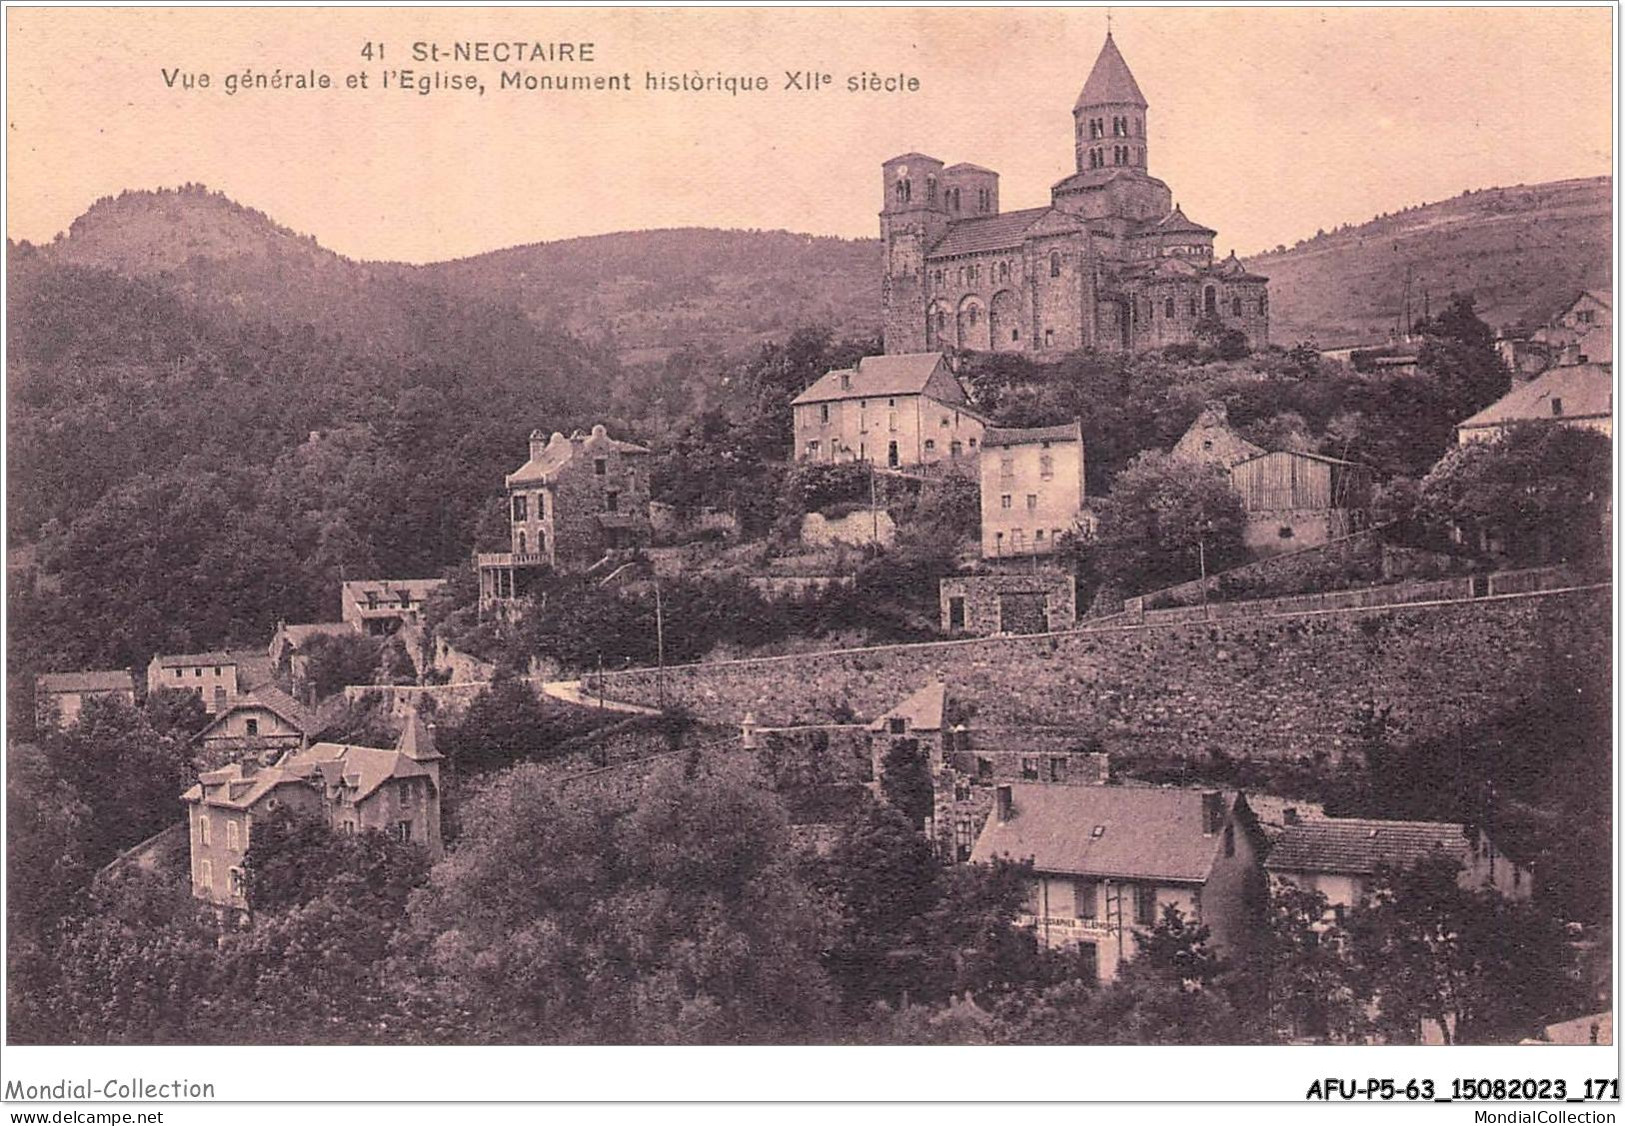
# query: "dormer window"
{"type": "Point", "coordinates": [898, 725]}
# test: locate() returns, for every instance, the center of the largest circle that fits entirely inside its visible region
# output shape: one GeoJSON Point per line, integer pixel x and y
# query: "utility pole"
{"type": "Point", "coordinates": [660, 648]}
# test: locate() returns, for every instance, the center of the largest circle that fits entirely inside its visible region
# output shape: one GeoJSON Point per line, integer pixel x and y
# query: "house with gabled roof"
{"type": "Point", "coordinates": [351, 789]}
{"type": "Point", "coordinates": [1107, 860]}
{"type": "Point", "coordinates": [59, 696]}
{"type": "Point", "coordinates": [261, 721]}
{"type": "Point", "coordinates": [1341, 857]}
{"type": "Point", "coordinates": [893, 410]}
{"type": "Point", "coordinates": [1579, 395]}
{"type": "Point", "coordinates": [381, 606]}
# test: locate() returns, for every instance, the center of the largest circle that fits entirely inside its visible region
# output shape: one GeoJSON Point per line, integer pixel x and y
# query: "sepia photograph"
{"type": "Point", "coordinates": [555, 528]}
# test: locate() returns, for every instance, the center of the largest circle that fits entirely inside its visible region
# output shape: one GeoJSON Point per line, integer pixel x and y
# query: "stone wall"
{"type": "Point", "coordinates": [981, 600]}
{"type": "Point", "coordinates": [1284, 686]}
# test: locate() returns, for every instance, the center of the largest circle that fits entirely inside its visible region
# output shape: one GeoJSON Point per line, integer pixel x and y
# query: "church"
{"type": "Point", "coordinates": [1110, 264]}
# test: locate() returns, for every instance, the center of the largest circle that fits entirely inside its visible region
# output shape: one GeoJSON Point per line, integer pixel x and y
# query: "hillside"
{"type": "Point", "coordinates": [1518, 250]}
{"type": "Point", "coordinates": [651, 293]}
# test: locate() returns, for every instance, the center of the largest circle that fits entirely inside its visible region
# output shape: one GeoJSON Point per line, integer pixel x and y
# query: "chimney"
{"type": "Point", "coordinates": [1212, 812]}
{"type": "Point", "coordinates": [538, 443]}
{"type": "Point", "coordinates": [1002, 807]}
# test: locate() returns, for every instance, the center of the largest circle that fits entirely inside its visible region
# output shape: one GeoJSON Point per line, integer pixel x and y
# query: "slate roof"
{"type": "Point", "coordinates": [994, 232]}
{"type": "Point", "coordinates": [1358, 846]}
{"type": "Point", "coordinates": [1587, 391]}
{"type": "Point", "coordinates": [966, 166]}
{"type": "Point", "coordinates": [560, 450]}
{"type": "Point", "coordinates": [904, 373]}
{"type": "Point", "coordinates": [111, 680]}
{"type": "Point", "coordinates": [1110, 81]}
{"type": "Point", "coordinates": [360, 769]}
{"type": "Point", "coordinates": [187, 660]}
{"type": "Point", "coordinates": [1011, 436]}
{"type": "Point", "coordinates": [1146, 833]}
{"type": "Point", "coordinates": [926, 710]}
{"type": "Point", "coordinates": [274, 700]}
{"type": "Point", "coordinates": [1174, 222]}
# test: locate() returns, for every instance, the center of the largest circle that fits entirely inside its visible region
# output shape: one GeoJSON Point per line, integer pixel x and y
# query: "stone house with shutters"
{"type": "Point", "coordinates": [351, 789]}
{"type": "Point", "coordinates": [575, 501]}
{"type": "Point", "coordinates": [1107, 860]}
{"type": "Point", "coordinates": [894, 411]}
{"type": "Point", "coordinates": [1111, 263]}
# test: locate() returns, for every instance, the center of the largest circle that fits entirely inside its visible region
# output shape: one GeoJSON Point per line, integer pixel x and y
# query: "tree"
{"type": "Point", "coordinates": [1542, 489]}
{"type": "Point", "coordinates": [503, 725]}
{"type": "Point", "coordinates": [1458, 351]}
{"type": "Point", "coordinates": [293, 858]}
{"type": "Point", "coordinates": [905, 779]}
{"type": "Point", "coordinates": [1163, 518]}
{"type": "Point", "coordinates": [1473, 966]}
{"type": "Point", "coordinates": [683, 920]}
{"type": "Point", "coordinates": [336, 661]}
{"type": "Point", "coordinates": [1311, 987]}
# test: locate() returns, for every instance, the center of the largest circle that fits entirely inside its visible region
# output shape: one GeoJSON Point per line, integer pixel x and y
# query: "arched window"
{"type": "Point", "coordinates": [1168, 308]}
{"type": "Point", "coordinates": [1055, 263]}
{"type": "Point", "coordinates": [1235, 306]}
{"type": "Point", "coordinates": [899, 189]}
{"type": "Point", "coordinates": [521, 543]}
{"type": "Point", "coordinates": [1210, 301]}
{"type": "Point", "coordinates": [1193, 306]}
{"type": "Point", "coordinates": [931, 189]}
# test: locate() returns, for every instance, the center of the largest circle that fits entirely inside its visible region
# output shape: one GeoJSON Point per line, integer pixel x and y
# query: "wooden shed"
{"type": "Point", "coordinates": [1290, 480]}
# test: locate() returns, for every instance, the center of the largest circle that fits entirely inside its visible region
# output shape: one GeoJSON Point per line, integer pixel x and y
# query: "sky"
{"type": "Point", "coordinates": [1267, 123]}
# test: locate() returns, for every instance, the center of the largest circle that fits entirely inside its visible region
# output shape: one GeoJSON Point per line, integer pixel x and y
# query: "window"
{"type": "Point", "coordinates": [1235, 306]}
{"type": "Point", "coordinates": [956, 612]}
{"type": "Point", "coordinates": [1230, 840]}
{"type": "Point", "coordinates": [1168, 308]}
{"type": "Point", "coordinates": [973, 443]}
{"type": "Point", "coordinates": [251, 727]}
{"type": "Point", "coordinates": [954, 448]}
{"type": "Point", "coordinates": [177, 672]}
{"type": "Point", "coordinates": [612, 501]}
{"type": "Point", "coordinates": [1032, 502]}
{"type": "Point", "coordinates": [1285, 533]}
{"type": "Point", "coordinates": [231, 835]}
{"type": "Point", "coordinates": [198, 673]}
{"type": "Point", "coordinates": [896, 725]}
{"type": "Point", "coordinates": [1086, 895]}
{"type": "Point", "coordinates": [520, 507]}
{"type": "Point", "coordinates": [217, 670]}
{"type": "Point", "coordinates": [600, 466]}
{"type": "Point", "coordinates": [1057, 769]}
{"type": "Point", "coordinates": [1007, 467]}
{"type": "Point", "coordinates": [930, 444]}
{"type": "Point", "coordinates": [964, 838]}
{"type": "Point", "coordinates": [1046, 466]}
{"type": "Point", "coordinates": [1557, 406]}
{"type": "Point", "coordinates": [1210, 301]}
{"type": "Point", "coordinates": [1029, 769]}
{"type": "Point", "coordinates": [1145, 904]}
{"type": "Point", "coordinates": [1049, 338]}
{"type": "Point", "coordinates": [891, 420]}
{"type": "Point", "coordinates": [523, 549]}
{"type": "Point", "coordinates": [823, 414]}
{"type": "Point", "coordinates": [205, 874]}
{"type": "Point", "coordinates": [1263, 304]}
{"type": "Point", "coordinates": [1193, 306]}
{"type": "Point", "coordinates": [1038, 538]}
{"type": "Point", "coordinates": [403, 830]}
{"type": "Point", "coordinates": [1055, 263]}
{"type": "Point", "coordinates": [984, 769]}
{"type": "Point", "coordinates": [812, 448]}
{"type": "Point", "coordinates": [1004, 501]}
{"type": "Point", "coordinates": [998, 541]}
{"type": "Point", "coordinates": [203, 830]}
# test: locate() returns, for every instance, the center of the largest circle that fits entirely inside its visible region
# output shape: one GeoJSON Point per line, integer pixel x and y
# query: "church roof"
{"type": "Point", "coordinates": [1175, 223]}
{"type": "Point", "coordinates": [1110, 82]}
{"type": "Point", "coordinates": [996, 232]}
{"type": "Point", "coordinates": [1232, 268]}
{"type": "Point", "coordinates": [965, 166]}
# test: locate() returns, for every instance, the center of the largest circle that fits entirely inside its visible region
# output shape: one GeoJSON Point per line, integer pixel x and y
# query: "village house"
{"type": "Point", "coordinates": [1292, 499]}
{"type": "Point", "coordinates": [265, 719]}
{"type": "Point", "coordinates": [1108, 859]}
{"type": "Point", "coordinates": [575, 501]}
{"type": "Point", "coordinates": [287, 649]}
{"type": "Point", "coordinates": [212, 676]}
{"type": "Point", "coordinates": [893, 411]}
{"type": "Point", "coordinates": [1580, 332]}
{"type": "Point", "coordinates": [379, 607]}
{"type": "Point", "coordinates": [58, 696]}
{"type": "Point", "coordinates": [1340, 857]}
{"type": "Point", "coordinates": [1032, 489]}
{"type": "Point", "coordinates": [350, 789]}
{"type": "Point", "coordinates": [1580, 395]}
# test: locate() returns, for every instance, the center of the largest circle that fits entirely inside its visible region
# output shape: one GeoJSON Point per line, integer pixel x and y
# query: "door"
{"type": "Point", "coordinates": [891, 454]}
{"type": "Point", "coordinates": [956, 613]}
